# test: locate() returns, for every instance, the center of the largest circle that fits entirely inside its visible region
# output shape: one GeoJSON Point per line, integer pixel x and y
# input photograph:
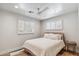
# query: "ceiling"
{"type": "Point", "coordinates": [39, 11]}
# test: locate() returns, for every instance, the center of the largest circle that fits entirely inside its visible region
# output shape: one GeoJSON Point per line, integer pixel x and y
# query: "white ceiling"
{"type": "Point", "coordinates": [46, 10]}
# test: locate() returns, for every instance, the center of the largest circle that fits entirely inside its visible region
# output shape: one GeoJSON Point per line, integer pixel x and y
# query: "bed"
{"type": "Point", "coordinates": [49, 45]}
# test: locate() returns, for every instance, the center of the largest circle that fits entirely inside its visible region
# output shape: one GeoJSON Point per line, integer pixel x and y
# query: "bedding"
{"type": "Point", "coordinates": [44, 47]}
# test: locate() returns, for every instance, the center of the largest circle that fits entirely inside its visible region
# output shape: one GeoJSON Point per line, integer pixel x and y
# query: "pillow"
{"type": "Point", "coordinates": [58, 36]}
{"type": "Point", "coordinates": [53, 36]}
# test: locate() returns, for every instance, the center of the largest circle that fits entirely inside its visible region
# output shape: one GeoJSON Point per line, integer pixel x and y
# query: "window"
{"type": "Point", "coordinates": [54, 25]}
{"type": "Point", "coordinates": [25, 27]}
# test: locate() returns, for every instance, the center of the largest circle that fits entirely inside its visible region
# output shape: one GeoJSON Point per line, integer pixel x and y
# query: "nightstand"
{"type": "Point", "coordinates": [71, 46]}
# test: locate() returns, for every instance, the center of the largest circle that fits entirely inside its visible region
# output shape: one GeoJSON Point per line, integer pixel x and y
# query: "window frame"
{"type": "Point", "coordinates": [29, 23]}
{"type": "Point", "coordinates": [56, 28]}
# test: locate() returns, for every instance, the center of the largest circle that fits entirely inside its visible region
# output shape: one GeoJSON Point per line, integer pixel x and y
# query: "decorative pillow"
{"type": "Point", "coordinates": [53, 36]}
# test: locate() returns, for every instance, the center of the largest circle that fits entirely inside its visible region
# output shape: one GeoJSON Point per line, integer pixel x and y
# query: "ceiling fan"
{"type": "Point", "coordinates": [39, 10]}
{"type": "Point", "coordinates": [31, 11]}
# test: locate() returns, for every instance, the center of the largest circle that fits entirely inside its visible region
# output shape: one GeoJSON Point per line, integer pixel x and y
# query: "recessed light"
{"type": "Point", "coordinates": [16, 6]}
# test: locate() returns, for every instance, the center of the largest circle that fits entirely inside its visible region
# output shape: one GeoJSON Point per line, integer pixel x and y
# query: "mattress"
{"type": "Point", "coordinates": [44, 47]}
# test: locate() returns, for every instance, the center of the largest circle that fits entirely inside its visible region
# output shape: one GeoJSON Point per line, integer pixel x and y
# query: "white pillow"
{"type": "Point", "coordinates": [58, 36]}
{"type": "Point", "coordinates": [53, 36]}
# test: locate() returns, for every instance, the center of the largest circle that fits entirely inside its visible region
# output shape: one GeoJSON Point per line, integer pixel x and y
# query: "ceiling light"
{"type": "Point", "coordinates": [16, 6]}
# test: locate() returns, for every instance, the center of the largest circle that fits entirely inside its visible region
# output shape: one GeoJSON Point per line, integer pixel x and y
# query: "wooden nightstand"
{"type": "Point", "coordinates": [71, 46]}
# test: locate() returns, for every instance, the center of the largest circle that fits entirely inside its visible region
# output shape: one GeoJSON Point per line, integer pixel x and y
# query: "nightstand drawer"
{"type": "Point", "coordinates": [71, 46]}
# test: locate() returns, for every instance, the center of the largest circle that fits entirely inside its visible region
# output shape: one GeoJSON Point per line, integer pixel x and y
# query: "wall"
{"type": "Point", "coordinates": [70, 27]}
{"type": "Point", "coordinates": [9, 38]}
{"type": "Point", "coordinates": [78, 23]}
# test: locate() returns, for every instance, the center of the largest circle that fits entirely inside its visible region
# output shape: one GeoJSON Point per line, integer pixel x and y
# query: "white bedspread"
{"type": "Point", "coordinates": [44, 47]}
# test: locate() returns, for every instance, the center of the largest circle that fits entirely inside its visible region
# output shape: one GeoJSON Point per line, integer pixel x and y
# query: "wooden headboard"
{"type": "Point", "coordinates": [55, 32]}
{"type": "Point", "coordinates": [61, 33]}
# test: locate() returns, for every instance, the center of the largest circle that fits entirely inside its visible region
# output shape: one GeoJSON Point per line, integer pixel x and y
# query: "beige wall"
{"type": "Point", "coordinates": [70, 25]}
{"type": "Point", "coordinates": [8, 36]}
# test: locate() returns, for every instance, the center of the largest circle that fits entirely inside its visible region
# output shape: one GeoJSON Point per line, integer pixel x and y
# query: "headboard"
{"type": "Point", "coordinates": [61, 33]}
